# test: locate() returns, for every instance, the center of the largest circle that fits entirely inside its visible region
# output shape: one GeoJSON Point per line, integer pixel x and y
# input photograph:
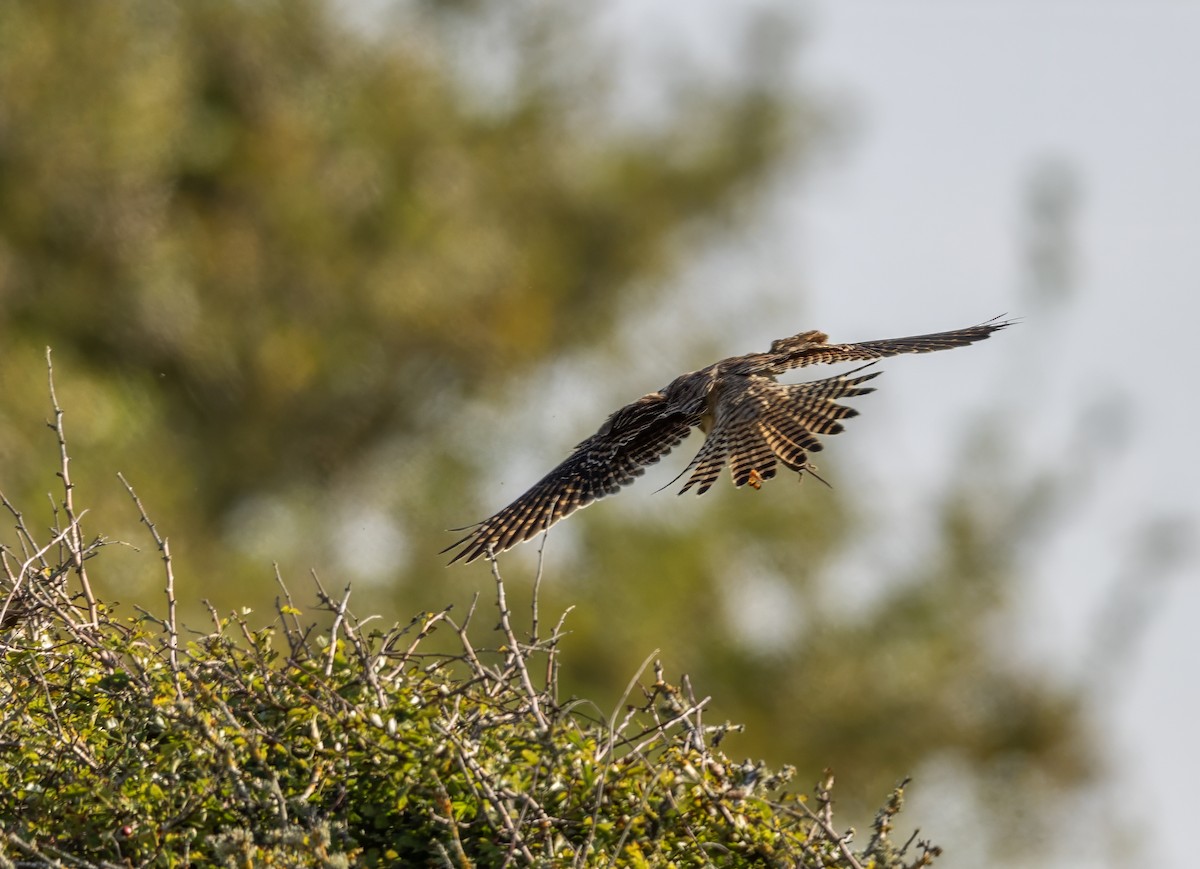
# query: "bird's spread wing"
{"type": "Point", "coordinates": [637, 435]}
{"type": "Point", "coordinates": [759, 422]}
{"type": "Point", "coordinates": [810, 348]}
{"type": "Point", "coordinates": [754, 424]}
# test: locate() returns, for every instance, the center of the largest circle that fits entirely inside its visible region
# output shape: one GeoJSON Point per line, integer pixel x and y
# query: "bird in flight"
{"type": "Point", "coordinates": [752, 422]}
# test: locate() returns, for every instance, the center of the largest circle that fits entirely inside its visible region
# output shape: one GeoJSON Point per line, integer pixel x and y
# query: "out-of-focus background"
{"type": "Point", "coordinates": [324, 279]}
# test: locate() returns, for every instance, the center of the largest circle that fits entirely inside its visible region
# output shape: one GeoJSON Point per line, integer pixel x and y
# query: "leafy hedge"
{"type": "Point", "coordinates": [126, 742]}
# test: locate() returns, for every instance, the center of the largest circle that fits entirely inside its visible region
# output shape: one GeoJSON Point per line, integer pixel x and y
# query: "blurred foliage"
{"type": "Point", "coordinates": [276, 246]}
{"type": "Point", "coordinates": [299, 274]}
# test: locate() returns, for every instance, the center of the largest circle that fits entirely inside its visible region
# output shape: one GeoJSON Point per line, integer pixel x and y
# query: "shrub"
{"type": "Point", "coordinates": [126, 741]}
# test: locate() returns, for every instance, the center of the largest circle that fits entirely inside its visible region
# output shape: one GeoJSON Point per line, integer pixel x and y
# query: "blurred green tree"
{"type": "Point", "coordinates": [297, 275]}
{"type": "Point", "coordinates": [277, 245]}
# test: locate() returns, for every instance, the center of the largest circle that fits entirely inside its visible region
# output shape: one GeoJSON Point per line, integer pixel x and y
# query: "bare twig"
{"type": "Point", "coordinates": [883, 818]}
{"type": "Point", "coordinates": [442, 853]}
{"type": "Point", "coordinates": [518, 657]}
{"type": "Point", "coordinates": [164, 549]}
{"type": "Point", "coordinates": [27, 540]}
{"type": "Point", "coordinates": [552, 658]}
{"type": "Point", "coordinates": [366, 660]}
{"type": "Point", "coordinates": [469, 653]}
{"type": "Point", "coordinates": [27, 566]}
{"type": "Point", "coordinates": [339, 616]}
{"type": "Point", "coordinates": [613, 730]}
{"type": "Point", "coordinates": [427, 625]}
{"type": "Point", "coordinates": [661, 730]}
{"type": "Point", "coordinates": [823, 818]}
{"type": "Point", "coordinates": [75, 538]}
{"type": "Point", "coordinates": [51, 856]}
{"type": "Point", "coordinates": [294, 629]}
{"type": "Point", "coordinates": [537, 585]}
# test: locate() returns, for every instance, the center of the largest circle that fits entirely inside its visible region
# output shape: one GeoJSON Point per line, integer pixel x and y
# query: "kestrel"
{"type": "Point", "coordinates": [751, 421]}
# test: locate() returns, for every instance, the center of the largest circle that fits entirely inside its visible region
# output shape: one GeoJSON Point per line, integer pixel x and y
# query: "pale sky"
{"type": "Point", "coordinates": [917, 226]}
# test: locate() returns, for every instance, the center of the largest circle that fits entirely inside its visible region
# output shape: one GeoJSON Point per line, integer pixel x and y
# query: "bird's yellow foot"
{"type": "Point", "coordinates": [756, 479]}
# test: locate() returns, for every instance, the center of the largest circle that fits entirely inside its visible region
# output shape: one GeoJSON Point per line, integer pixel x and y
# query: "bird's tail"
{"type": "Point", "coordinates": [783, 429]}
